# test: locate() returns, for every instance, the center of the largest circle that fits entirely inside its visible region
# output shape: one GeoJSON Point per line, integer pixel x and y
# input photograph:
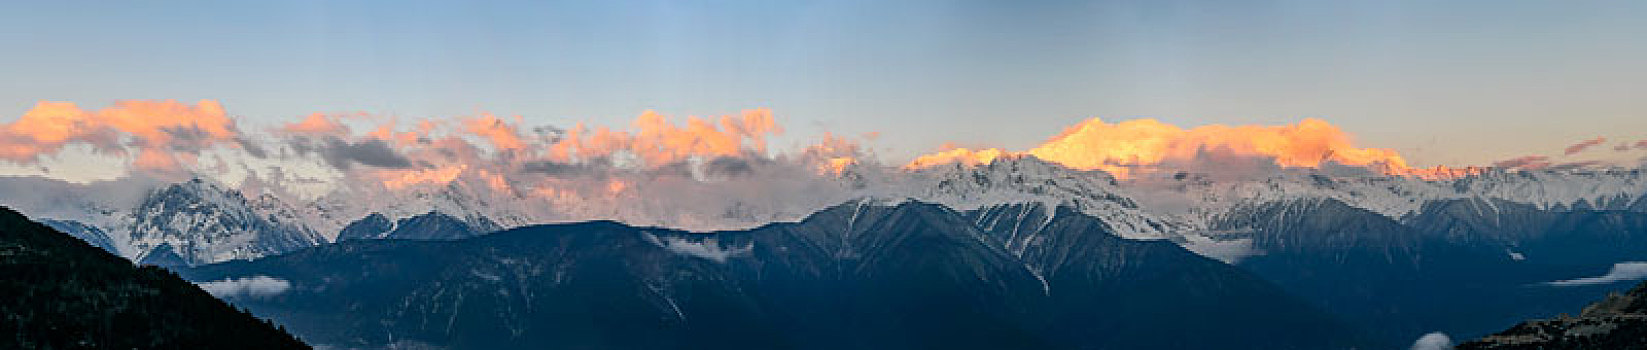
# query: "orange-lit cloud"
{"type": "Point", "coordinates": [963, 156]}
{"type": "Point", "coordinates": [1628, 146]}
{"type": "Point", "coordinates": [317, 124]}
{"type": "Point", "coordinates": [834, 154]}
{"type": "Point", "coordinates": [1131, 147]}
{"type": "Point", "coordinates": [1524, 162]}
{"type": "Point", "coordinates": [544, 160]}
{"type": "Point", "coordinates": [1583, 145]}
{"type": "Point", "coordinates": [656, 141]}
{"type": "Point", "coordinates": [400, 179]}
{"type": "Point", "coordinates": [165, 134]}
{"type": "Point", "coordinates": [502, 135]}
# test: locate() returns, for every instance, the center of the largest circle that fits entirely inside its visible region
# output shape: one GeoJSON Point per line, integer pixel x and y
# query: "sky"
{"type": "Point", "coordinates": [1442, 82]}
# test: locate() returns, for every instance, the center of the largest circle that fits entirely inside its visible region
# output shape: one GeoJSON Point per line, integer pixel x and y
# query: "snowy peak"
{"type": "Point", "coordinates": [477, 206]}
{"type": "Point", "coordinates": [204, 223]}
{"type": "Point", "coordinates": [1012, 180]}
{"type": "Point", "coordinates": [1199, 201]}
{"type": "Point", "coordinates": [1025, 177]}
{"type": "Point", "coordinates": [374, 226]}
{"type": "Point", "coordinates": [1560, 190]}
{"type": "Point", "coordinates": [428, 226]}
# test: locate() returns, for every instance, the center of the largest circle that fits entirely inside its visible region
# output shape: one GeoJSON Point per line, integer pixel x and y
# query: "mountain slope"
{"type": "Point", "coordinates": [64, 293]}
{"type": "Point", "coordinates": [1463, 267]}
{"type": "Point", "coordinates": [857, 275]}
{"type": "Point", "coordinates": [1145, 288]}
{"type": "Point", "coordinates": [91, 234]}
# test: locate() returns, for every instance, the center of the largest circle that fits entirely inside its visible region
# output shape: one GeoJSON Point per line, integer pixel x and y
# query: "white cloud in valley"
{"type": "Point", "coordinates": [1624, 271]}
{"type": "Point", "coordinates": [248, 287]}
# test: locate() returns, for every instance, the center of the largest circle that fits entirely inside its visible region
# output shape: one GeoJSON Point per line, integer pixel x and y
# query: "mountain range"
{"type": "Point", "coordinates": [862, 274]}
{"type": "Point", "coordinates": [1367, 259]}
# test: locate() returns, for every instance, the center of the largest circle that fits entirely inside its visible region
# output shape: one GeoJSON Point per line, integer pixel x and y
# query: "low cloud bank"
{"type": "Point", "coordinates": [709, 248]}
{"type": "Point", "coordinates": [1624, 271]}
{"type": "Point", "coordinates": [1433, 341]}
{"type": "Point", "coordinates": [250, 287]}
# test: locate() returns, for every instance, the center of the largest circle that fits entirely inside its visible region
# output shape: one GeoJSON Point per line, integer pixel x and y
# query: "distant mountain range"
{"type": "Point", "coordinates": [1379, 259]}
{"type": "Point", "coordinates": [65, 294]}
{"type": "Point", "coordinates": [204, 222]}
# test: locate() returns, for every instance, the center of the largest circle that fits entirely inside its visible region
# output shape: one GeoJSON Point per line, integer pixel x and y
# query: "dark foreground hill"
{"type": "Point", "coordinates": [58, 292]}
{"type": "Point", "coordinates": [1617, 322]}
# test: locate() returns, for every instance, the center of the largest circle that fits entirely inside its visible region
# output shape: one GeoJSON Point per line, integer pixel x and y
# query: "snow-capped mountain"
{"type": "Point", "coordinates": [428, 226]}
{"type": "Point", "coordinates": [477, 206]}
{"type": "Point", "coordinates": [204, 223]}
{"type": "Point", "coordinates": [1013, 180]}
{"type": "Point", "coordinates": [1397, 196]}
{"type": "Point", "coordinates": [1356, 244]}
{"type": "Point", "coordinates": [200, 221]}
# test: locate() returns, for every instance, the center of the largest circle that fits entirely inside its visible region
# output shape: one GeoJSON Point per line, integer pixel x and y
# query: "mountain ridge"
{"type": "Point", "coordinates": [910, 274]}
{"type": "Point", "coordinates": [65, 293]}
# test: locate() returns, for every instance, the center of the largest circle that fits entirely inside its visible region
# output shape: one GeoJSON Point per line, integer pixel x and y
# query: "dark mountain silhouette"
{"type": "Point", "coordinates": [61, 292]}
{"type": "Point", "coordinates": [1617, 322]}
{"type": "Point", "coordinates": [91, 234]}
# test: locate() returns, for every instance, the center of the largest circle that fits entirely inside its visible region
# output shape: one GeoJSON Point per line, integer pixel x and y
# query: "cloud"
{"type": "Point", "coordinates": [1524, 162]}
{"type": "Point", "coordinates": [655, 141]}
{"type": "Point", "coordinates": [1433, 341]}
{"type": "Point", "coordinates": [399, 179]}
{"type": "Point", "coordinates": [1624, 271]}
{"type": "Point", "coordinates": [503, 136]}
{"type": "Point", "coordinates": [1627, 146]}
{"type": "Point", "coordinates": [249, 287]}
{"type": "Point", "coordinates": [834, 154]}
{"type": "Point", "coordinates": [1132, 147]}
{"type": "Point", "coordinates": [252, 148]}
{"type": "Point", "coordinates": [708, 248]}
{"type": "Point", "coordinates": [342, 154]}
{"type": "Point", "coordinates": [561, 169]}
{"type": "Point", "coordinates": [729, 167]}
{"type": "Point", "coordinates": [963, 156]}
{"type": "Point", "coordinates": [166, 135]}
{"type": "Point", "coordinates": [317, 124]}
{"type": "Point", "coordinates": [702, 172]}
{"type": "Point", "coordinates": [1583, 145]}
{"type": "Point", "coordinates": [1230, 251]}
{"type": "Point", "coordinates": [1576, 165]}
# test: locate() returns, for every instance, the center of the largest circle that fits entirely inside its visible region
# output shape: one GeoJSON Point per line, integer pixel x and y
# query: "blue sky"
{"type": "Point", "coordinates": [1454, 82]}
